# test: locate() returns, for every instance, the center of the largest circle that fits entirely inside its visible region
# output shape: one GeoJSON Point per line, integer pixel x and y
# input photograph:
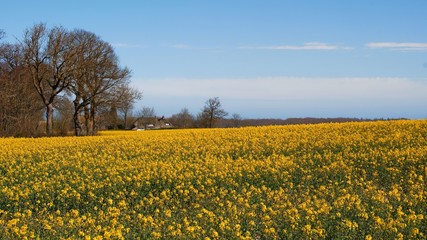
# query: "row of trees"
{"type": "Point", "coordinates": [73, 79]}
{"type": "Point", "coordinates": [211, 115]}
{"type": "Point", "coordinates": [54, 68]}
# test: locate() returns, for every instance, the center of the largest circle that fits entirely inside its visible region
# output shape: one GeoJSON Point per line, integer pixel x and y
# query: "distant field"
{"type": "Point", "coordinates": [349, 180]}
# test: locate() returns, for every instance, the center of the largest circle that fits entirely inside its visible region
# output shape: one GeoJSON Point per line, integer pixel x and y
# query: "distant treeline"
{"type": "Point", "coordinates": [308, 120]}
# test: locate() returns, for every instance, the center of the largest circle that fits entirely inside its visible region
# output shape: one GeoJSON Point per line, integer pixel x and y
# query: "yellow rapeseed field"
{"type": "Point", "coordinates": [335, 181]}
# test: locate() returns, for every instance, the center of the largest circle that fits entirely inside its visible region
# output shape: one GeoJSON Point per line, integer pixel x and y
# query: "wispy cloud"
{"type": "Point", "coordinates": [288, 88]}
{"type": "Point", "coordinates": [295, 96]}
{"type": "Point", "coordinates": [305, 46]}
{"type": "Point", "coordinates": [126, 45]}
{"type": "Point", "coordinates": [213, 49]}
{"type": "Point", "coordinates": [399, 46]}
{"type": "Point", "coordinates": [180, 46]}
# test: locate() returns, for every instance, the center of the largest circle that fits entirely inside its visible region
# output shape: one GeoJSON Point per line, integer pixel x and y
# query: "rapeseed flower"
{"type": "Point", "coordinates": [352, 180]}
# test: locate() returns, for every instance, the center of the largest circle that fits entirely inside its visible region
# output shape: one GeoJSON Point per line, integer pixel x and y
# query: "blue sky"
{"type": "Point", "coordinates": [263, 59]}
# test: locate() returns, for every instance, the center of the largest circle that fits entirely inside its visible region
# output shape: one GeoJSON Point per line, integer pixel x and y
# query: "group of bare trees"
{"type": "Point", "coordinates": [72, 78]}
{"type": "Point", "coordinates": [50, 66]}
{"type": "Point", "coordinates": [20, 108]}
{"type": "Point", "coordinates": [210, 116]}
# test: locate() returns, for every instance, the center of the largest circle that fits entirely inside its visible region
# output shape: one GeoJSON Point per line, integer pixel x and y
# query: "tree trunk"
{"type": "Point", "coordinates": [49, 119]}
{"type": "Point", "coordinates": [125, 119]}
{"type": "Point", "coordinates": [92, 120]}
{"type": "Point", "coordinates": [211, 119]}
{"type": "Point", "coordinates": [76, 120]}
{"type": "Point", "coordinates": [87, 122]}
{"type": "Point", "coordinates": [77, 124]}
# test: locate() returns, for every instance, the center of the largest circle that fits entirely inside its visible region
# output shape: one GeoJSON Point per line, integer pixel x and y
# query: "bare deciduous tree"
{"type": "Point", "coordinates": [63, 119]}
{"type": "Point", "coordinates": [212, 112]}
{"type": "Point", "coordinates": [125, 98]}
{"type": "Point", "coordinates": [20, 107]}
{"type": "Point", "coordinates": [183, 119]}
{"type": "Point", "coordinates": [96, 74]}
{"type": "Point", "coordinates": [236, 119]}
{"type": "Point", "coordinates": [48, 57]}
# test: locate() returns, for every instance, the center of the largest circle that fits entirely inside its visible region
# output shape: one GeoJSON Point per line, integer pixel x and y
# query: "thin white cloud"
{"type": "Point", "coordinates": [295, 96]}
{"type": "Point", "coordinates": [181, 46]}
{"type": "Point", "coordinates": [400, 46]}
{"type": "Point", "coordinates": [305, 46]}
{"type": "Point", "coordinates": [288, 88]}
{"type": "Point", "coordinates": [197, 48]}
{"type": "Point", "coordinates": [126, 45]}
